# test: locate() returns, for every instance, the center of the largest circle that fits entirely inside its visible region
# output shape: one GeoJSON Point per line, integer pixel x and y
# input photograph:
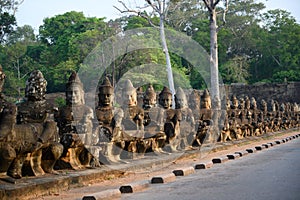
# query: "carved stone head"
{"type": "Point", "coordinates": [74, 90]}
{"type": "Point", "coordinates": [235, 102]}
{"type": "Point", "coordinates": [253, 103]}
{"type": "Point", "coordinates": [149, 99]}
{"type": "Point", "coordinates": [247, 103]}
{"type": "Point", "coordinates": [36, 86]}
{"type": "Point", "coordinates": [206, 100]}
{"type": "Point", "coordinates": [2, 79]}
{"type": "Point", "coordinates": [129, 94]}
{"type": "Point", "coordinates": [165, 98]}
{"type": "Point", "coordinates": [242, 103]}
{"type": "Point", "coordinates": [106, 93]}
{"type": "Point", "coordinates": [264, 105]}
{"type": "Point", "coordinates": [195, 100]}
{"type": "Point", "coordinates": [180, 99]}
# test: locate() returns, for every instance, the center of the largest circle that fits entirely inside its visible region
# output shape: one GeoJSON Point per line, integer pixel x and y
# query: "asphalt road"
{"type": "Point", "coordinates": [273, 173]}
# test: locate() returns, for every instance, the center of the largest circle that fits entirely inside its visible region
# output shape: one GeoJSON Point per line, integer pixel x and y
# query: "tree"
{"type": "Point", "coordinates": [159, 8]}
{"type": "Point", "coordinates": [56, 32]}
{"type": "Point", "coordinates": [7, 17]}
{"type": "Point", "coordinates": [66, 40]}
{"type": "Point", "coordinates": [214, 66]}
{"type": "Point", "coordinates": [279, 46]}
{"type": "Point", "coordinates": [235, 70]}
{"type": "Point", "coordinates": [239, 40]}
{"type": "Point", "coordinates": [17, 61]}
{"type": "Point", "coordinates": [183, 13]}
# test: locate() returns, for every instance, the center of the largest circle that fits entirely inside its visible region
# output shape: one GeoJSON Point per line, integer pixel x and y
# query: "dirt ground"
{"type": "Point", "coordinates": [113, 183]}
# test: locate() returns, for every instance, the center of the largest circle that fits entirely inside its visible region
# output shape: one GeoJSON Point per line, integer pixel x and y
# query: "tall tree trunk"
{"type": "Point", "coordinates": [214, 66]}
{"type": "Point", "coordinates": [168, 60]}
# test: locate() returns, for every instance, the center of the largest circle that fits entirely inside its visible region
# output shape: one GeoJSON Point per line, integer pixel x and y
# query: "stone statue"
{"type": "Point", "coordinates": [109, 130]}
{"type": "Point", "coordinates": [235, 103]}
{"type": "Point", "coordinates": [38, 130]}
{"type": "Point", "coordinates": [253, 103]}
{"type": "Point", "coordinates": [133, 122]}
{"type": "Point", "coordinates": [205, 117]}
{"type": "Point", "coordinates": [256, 124]}
{"type": "Point", "coordinates": [187, 123]}
{"type": "Point", "coordinates": [75, 127]}
{"type": "Point", "coordinates": [8, 142]}
{"type": "Point", "coordinates": [194, 104]}
{"type": "Point", "coordinates": [140, 96]}
{"type": "Point", "coordinates": [226, 129]}
{"type": "Point", "coordinates": [172, 119]}
{"type": "Point", "coordinates": [247, 103]}
{"type": "Point", "coordinates": [153, 120]}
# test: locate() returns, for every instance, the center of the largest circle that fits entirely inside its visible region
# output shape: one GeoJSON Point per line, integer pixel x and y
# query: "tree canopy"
{"type": "Point", "coordinates": [254, 46]}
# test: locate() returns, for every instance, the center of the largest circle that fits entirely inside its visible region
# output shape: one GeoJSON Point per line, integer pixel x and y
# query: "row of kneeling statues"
{"type": "Point", "coordinates": [36, 138]}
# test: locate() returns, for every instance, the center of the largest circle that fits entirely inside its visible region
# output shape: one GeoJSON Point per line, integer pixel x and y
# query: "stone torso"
{"type": "Point", "coordinates": [74, 118]}
{"type": "Point", "coordinates": [33, 112]}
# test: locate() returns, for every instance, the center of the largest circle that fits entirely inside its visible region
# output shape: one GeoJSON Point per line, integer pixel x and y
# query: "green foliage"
{"type": "Point", "coordinates": [133, 22]}
{"type": "Point", "coordinates": [253, 47]}
{"type": "Point", "coordinates": [279, 45]}
{"type": "Point", "coordinates": [60, 102]}
{"type": "Point", "coordinates": [58, 76]}
{"type": "Point", "coordinates": [235, 70]}
{"type": "Point", "coordinates": [289, 75]}
{"type": "Point", "coordinates": [7, 18]}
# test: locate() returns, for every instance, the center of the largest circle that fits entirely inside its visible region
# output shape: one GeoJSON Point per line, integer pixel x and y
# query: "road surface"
{"type": "Point", "coordinates": [273, 173]}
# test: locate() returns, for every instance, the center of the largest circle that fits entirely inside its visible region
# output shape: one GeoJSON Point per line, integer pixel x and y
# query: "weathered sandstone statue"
{"type": "Point", "coordinates": [75, 127]}
{"type": "Point", "coordinates": [153, 121]}
{"type": "Point", "coordinates": [133, 122]}
{"type": "Point", "coordinates": [187, 123]}
{"type": "Point", "coordinates": [172, 119]}
{"type": "Point", "coordinates": [36, 130]}
{"type": "Point", "coordinates": [8, 142]}
{"type": "Point", "coordinates": [205, 118]}
{"type": "Point", "coordinates": [109, 130]}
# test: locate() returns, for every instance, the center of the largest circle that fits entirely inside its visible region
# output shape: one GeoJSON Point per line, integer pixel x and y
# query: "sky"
{"type": "Point", "coordinates": [32, 12]}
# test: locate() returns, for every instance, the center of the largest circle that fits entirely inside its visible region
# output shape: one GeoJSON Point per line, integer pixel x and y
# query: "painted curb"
{"type": "Point", "coordinates": [206, 165]}
{"type": "Point", "coordinates": [259, 148]}
{"type": "Point", "coordinates": [107, 194]}
{"type": "Point", "coordinates": [184, 172]}
{"type": "Point", "coordinates": [278, 142]}
{"type": "Point", "coordinates": [266, 145]}
{"type": "Point", "coordinates": [233, 156]}
{"type": "Point", "coordinates": [242, 153]}
{"type": "Point", "coordinates": [135, 186]}
{"type": "Point", "coordinates": [272, 144]}
{"type": "Point", "coordinates": [165, 178]}
{"type": "Point", "coordinates": [283, 140]}
{"type": "Point", "coordinates": [253, 150]}
{"type": "Point", "coordinates": [220, 160]}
